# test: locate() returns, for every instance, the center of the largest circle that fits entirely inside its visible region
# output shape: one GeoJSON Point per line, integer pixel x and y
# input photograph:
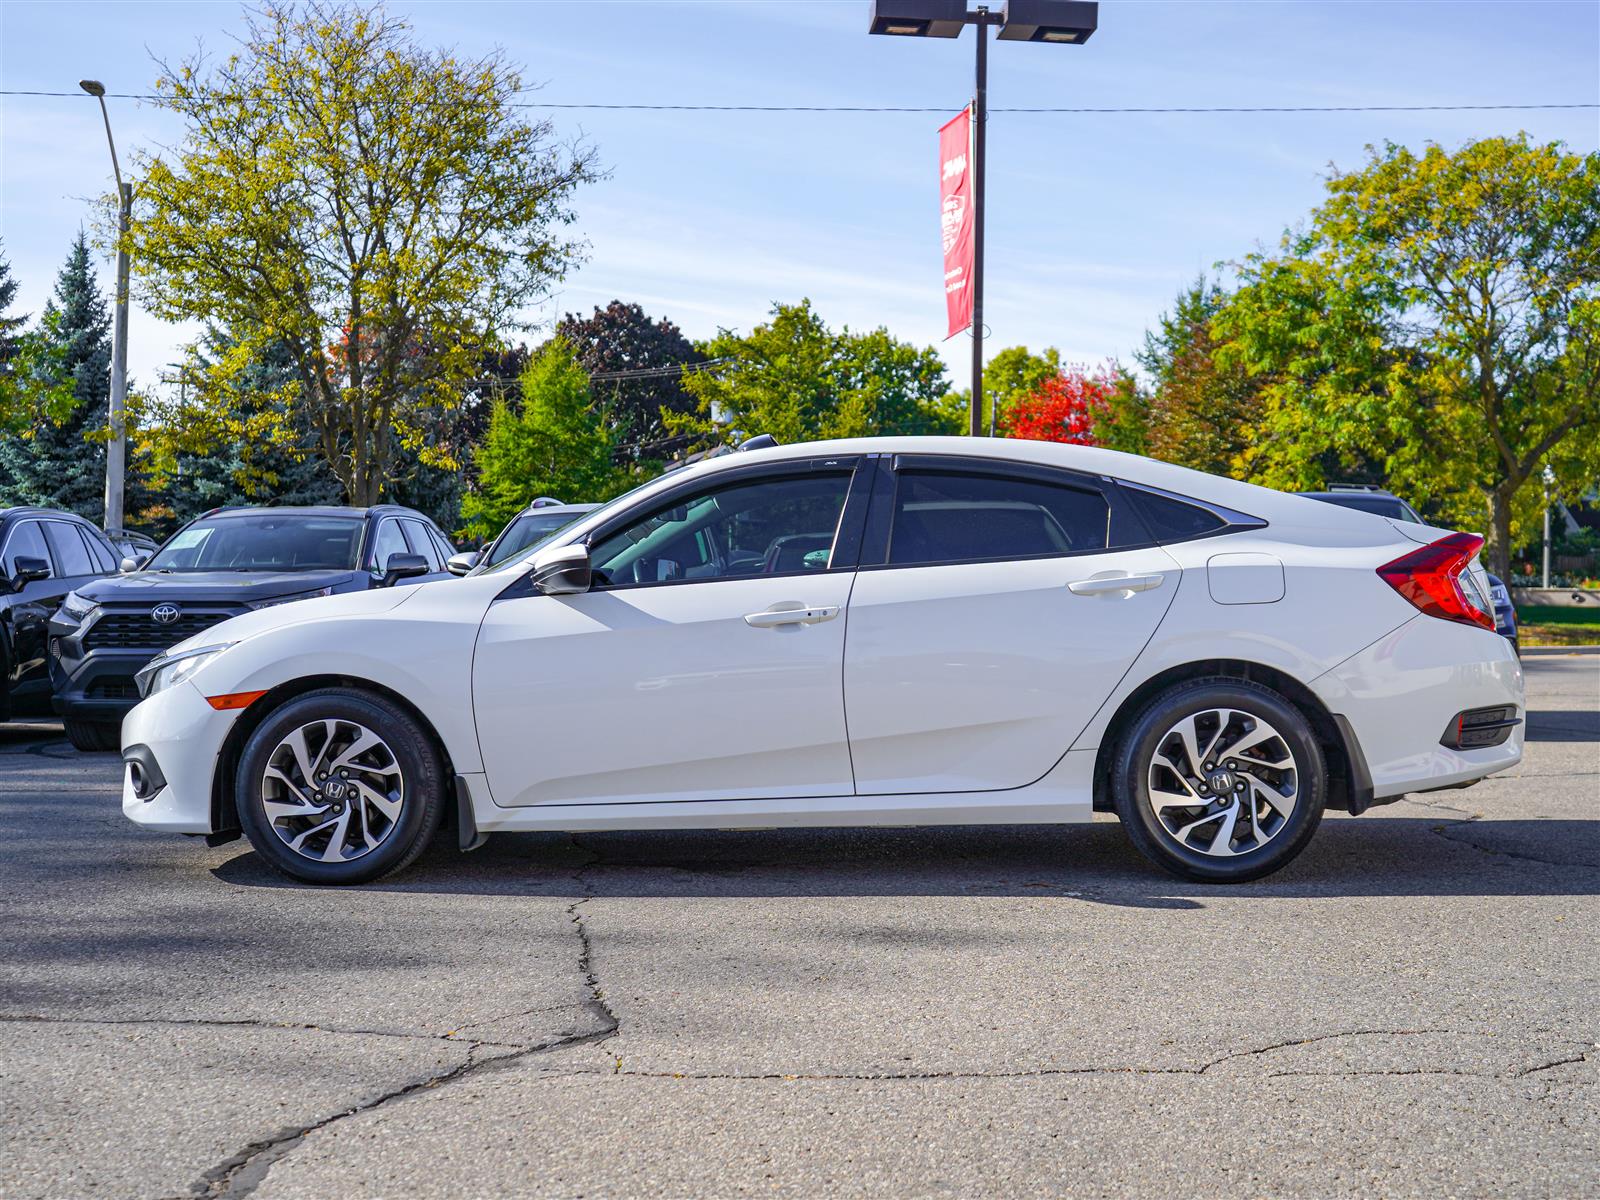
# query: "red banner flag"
{"type": "Point", "coordinates": [955, 219]}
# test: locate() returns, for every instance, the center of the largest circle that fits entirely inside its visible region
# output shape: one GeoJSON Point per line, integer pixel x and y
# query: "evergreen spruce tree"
{"type": "Point", "coordinates": [10, 326]}
{"type": "Point", "coordinates": [61, 465]}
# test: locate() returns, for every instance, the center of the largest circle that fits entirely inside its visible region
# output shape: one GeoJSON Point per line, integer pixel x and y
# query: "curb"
{"type": "Point", "coordinates": [1550, 651]}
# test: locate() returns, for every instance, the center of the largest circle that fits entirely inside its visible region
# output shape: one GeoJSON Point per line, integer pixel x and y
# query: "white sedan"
{"type": "Point", "coordinates": [895, 631]}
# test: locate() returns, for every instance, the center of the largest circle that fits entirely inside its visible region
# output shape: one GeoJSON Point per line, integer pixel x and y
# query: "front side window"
{"type": "Point", "coordinates": [263, 542]}
{"type": "Point", "coordinates": [947, 516]}
{"type": "Point", "coordinates": [26, 541]}
{"type": "Point", "coordinates": [771, 526]}
{"type": "Point", "coordinates": [389, 541]}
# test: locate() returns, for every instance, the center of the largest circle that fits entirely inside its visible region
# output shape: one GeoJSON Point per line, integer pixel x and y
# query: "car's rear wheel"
{"type": "Point", "coordinates": [94, 737]}
{"type": "Point", "coordinates": [1220, 781]}
{"type": "Point", "coordinates": [339, 786]}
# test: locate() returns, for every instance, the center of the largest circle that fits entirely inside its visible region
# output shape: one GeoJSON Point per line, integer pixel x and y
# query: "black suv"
{"type": "Point", "coordinates": [220, 565]}
{"type": "Point", "coordinates": [44, 554]}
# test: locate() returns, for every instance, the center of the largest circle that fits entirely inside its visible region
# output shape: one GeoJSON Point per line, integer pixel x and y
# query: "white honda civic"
{"type": "Point", "coordinates": [895, 631]}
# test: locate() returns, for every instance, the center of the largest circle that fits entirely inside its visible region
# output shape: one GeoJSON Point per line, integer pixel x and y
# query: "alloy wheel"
{"type": "Point", "coordinates": [332, 790]}
{"type": "Point", "coordinates": [1223, 782]}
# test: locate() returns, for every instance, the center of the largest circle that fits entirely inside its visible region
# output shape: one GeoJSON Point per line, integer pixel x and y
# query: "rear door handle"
{"type": "Point", "coordinates": [774, 617]}
{"type": "Point", "coordinates": [1102, 585]}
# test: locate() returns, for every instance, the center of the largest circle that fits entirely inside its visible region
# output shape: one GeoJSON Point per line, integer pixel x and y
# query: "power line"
{"type": "Point", "coordinates": [882, 108]}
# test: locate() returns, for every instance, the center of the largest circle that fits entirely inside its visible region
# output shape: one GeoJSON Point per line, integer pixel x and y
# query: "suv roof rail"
{"type": "Point", "coordinates": [546, 502]}
{"type": "Point", "coordinates": [760, 441]}
{"type": "Point", "coordinates": [1359, 487]}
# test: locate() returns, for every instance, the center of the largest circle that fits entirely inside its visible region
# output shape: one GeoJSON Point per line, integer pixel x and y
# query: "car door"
{"type": "Point", "coordinates": [996, 607]}
{"type": "Point", "coordinates": [704, 664]}
{"type": "Point", "coordinates": [28, 612]}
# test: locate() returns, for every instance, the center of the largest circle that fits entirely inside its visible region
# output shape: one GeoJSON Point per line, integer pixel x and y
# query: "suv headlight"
{"type": "Point", "coordinates": [167, 670]}
{"type": "Point", "coordinates": [78, 607]}
{"type": "Point", "coordinates": [327, 591]}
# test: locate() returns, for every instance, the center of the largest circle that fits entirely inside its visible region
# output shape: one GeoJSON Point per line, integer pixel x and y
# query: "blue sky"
{"type": "Point", "coordinates": [1095, 221]}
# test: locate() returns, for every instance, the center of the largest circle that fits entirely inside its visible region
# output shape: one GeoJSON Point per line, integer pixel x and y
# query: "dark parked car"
{"type": "Point", "coordinates": [528, 528]}
{"type": "Point", "coordinates": [1505, 613]}
{"type": "Point", "coordinates": [220, 565]}
{"type": "Point", "coordinates": [132, 544]}
{"type": "Point", "coordinates": [44, 554]}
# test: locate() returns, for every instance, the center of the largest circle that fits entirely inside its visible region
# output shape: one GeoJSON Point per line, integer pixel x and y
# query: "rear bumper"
{"type": "Point", "coordinates": [182, 736]}
{"type": "Point", "coordinates": [1400, 694]}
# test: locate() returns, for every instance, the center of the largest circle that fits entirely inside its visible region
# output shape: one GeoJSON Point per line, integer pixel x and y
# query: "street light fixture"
{"type": "Point", "coordinates": [1066, 22]}
{"type": "Point", "coordinates": [117, 446]}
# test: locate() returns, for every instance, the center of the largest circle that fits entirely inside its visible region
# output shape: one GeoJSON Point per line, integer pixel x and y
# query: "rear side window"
{"type": "Point", "coordinates": [1170, 519]}
{"type": "Point", "coordinates": [72, 556]}
{"type": "Point", "coordinates": [104, 555]}
{"type": "Point", "coordinates": [944, 517]}
{"type": "Point", "coordinates": [421, 543]}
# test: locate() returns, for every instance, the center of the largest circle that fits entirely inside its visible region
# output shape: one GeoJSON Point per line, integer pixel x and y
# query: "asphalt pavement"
{"type": "Point", "coordinates": [1411, 1009]}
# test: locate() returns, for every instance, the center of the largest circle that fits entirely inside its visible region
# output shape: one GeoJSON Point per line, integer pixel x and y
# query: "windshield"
{"type": "Point", "coordinates": [528, 531]}
{"type": "Point", "coordinates": [263, 542]}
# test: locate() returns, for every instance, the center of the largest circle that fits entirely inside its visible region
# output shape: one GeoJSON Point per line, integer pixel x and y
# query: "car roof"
{"type": "Point", "coordinates": [315, 510]}
{"type": "Point", "coordinates": [557, 509]}
{"type": "Point", "coordinates": [1291, 514]}
{"type": "Point", "coordinates": [33, 510]}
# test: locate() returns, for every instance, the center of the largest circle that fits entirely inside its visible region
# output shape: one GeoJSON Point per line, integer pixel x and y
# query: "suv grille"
{"type": "Point", "coordinates": [115, 687]}
{"type": "Point", "coordinates": [136, 631]}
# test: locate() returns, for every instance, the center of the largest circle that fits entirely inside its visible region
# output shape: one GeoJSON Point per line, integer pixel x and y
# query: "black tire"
{"type": "Point", "coordinates": [94, 737]}
{"type": "Point", "coordinates": [408, 747]}
{"type": "Point", "coordinates": [1152, 731]}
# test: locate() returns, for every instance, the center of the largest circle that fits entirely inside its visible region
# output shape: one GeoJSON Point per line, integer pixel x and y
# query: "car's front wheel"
{"type": "Point", "coordinates": [1220, 780]}
{"type": "Point", "coordinates": [339, 786]}
{"type": "Point", "coordinates": [94, 737]}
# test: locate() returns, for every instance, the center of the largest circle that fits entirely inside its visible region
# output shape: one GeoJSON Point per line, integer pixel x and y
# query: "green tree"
{"type": "Point", "coordinates": [380, 209]}
{"type": "Point", "coordinates": [1010, 375]}
{"type": "Point", "coordinates": [1440, 315]}
{"type": "Point", "coordinates": [556, 445]}
{"type": "Point", "coordinates": [34, 387]}
{"type": "Point", "coordinates": [59, 462]}
{"type": "Point", "coordinates": [1202, 413]}
{"type": "Point", "coordinates": [239, 444]}
{"type": "Point", "coordinates": [798, 380]}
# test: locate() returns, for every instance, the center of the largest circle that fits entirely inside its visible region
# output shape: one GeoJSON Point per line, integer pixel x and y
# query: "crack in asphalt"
{"type": "Point", "coordinates": [1469, 818]}
{"type": "Point", "coordinates": [1050, 1072]}
{"type": "Point", "coordinates": [241, 1173]}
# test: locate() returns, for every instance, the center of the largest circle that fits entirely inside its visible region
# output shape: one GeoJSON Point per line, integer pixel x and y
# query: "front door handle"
{"type": "Point", "coordinates": [1102, 585]}
{"type": "Point", "coordinates": [774, 617]}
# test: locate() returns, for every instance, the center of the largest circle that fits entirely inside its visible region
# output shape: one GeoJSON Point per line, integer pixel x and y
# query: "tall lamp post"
{"type": "Point", "coordinates": [117, 447]}
{"type": "Point", "coordinates": [1062, 22]}
{"type": "Point", "coordinates": [1549, 477]}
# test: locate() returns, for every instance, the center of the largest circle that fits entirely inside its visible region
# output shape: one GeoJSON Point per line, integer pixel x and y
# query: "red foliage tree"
{"type": "Point", "coordinates": [1062, 408]}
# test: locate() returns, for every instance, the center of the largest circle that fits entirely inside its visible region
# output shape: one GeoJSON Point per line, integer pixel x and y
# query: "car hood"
{"type": "Point", "coordinates": [350, 604]}
{"type": "Point", "coordinates": [225, 587]}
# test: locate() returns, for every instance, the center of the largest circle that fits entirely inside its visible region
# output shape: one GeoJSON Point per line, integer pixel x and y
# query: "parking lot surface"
{"type": "Point", "coordinates": [1408, 1009]}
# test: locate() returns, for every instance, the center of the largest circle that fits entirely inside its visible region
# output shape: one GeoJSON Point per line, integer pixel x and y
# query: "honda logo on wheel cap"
{"type": "Point", "coordinates": [165, 614]}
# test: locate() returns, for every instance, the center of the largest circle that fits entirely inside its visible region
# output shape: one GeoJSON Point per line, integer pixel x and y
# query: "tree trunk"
{"type": "Point", "coordinates": [1500, 532]}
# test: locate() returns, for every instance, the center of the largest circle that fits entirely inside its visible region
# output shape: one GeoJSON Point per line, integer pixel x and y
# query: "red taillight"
{"type": "Point", "coordinates": [1430, 577]}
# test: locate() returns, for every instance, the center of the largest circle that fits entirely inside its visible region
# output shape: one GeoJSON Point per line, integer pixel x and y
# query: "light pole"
{"type": "Point", "coordinates": [1064, 22]}
{"type": "Point", "coordinates": [117, 446]}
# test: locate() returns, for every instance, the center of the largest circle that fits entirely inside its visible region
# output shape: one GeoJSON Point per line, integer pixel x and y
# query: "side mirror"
{"type": "Point", "coordinates": [460, 564]}
{"type": "Point", "coordinates": [562, 570]}
{"type": "Point", "coordinates": [28, 570]}
{"type": "Point", "coordinates": [133, 563]}
{"type": "Point", "coordinates": [403, 566]}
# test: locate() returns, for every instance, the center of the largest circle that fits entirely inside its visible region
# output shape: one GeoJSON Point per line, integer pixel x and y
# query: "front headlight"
{"type": "Point", "coordinates": [78, 607]}
{"type": "Point", "coordinates": [166, 670]}
{"type": "Point", "coordinates": [327, 591]}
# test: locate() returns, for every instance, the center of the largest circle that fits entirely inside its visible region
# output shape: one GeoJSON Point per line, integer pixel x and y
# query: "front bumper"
{"type": "Point", "coordinates": [183, 735]}
{"type": "Point", "coordinates": [1402, 692]}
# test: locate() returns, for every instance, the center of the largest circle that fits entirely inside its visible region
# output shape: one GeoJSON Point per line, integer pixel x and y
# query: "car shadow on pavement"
{"type": "Point", "coordinates": [1368, 856]}
{"type": "Point", "coordinates": [1563, 725]}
